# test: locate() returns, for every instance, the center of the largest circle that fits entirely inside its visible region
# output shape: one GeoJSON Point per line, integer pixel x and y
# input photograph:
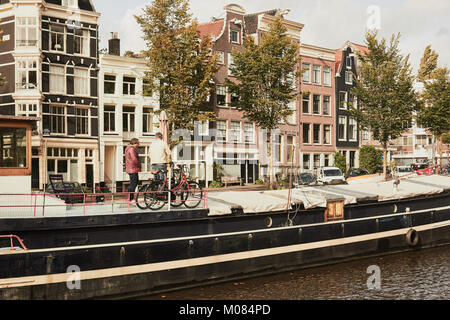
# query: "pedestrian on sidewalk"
{"type": "Point", "coordinates": [159, 155]}
{"type": "Point", "coordinates": [132, 167]}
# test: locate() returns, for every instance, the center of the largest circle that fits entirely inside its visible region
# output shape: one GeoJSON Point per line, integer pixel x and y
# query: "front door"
{"type": "Point", "coordinates": [35, 173]}
{"type": "Point", "coordinates": [90, 176]}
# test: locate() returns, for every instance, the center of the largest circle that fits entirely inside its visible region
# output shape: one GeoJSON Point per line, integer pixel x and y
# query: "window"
{"type": "Point", "coordinates": [352, 130]}
{"type": "Point", "coordinates": [221, 94]}
{"type": "Point", "coordinates": [221, 130]}
{"type": "Point", "coordinates": [109, 120]}
{"type": "Point", "coordinates": [316, 161]}
{"type": "Point", "coordinates": [220, 57]}
{"type": "Point", "coordinates": [316, 133]}
{"type": "Point", "coordinates": [144, 157]}
{"type": "Point", "coordinates": [81, 121]}
{"type": "Point", "coordinates": [366, 135]}
{"type": "Point", "coordinates": [327, 134]}
{"type": "Point", "coordinates": [306, 133]}
{"type": "Point", "coordinates": [26, 74]}
{"type": "Point", "coordinates": [81, 82]}
{"type": "Point", "coordinates": [290, 149]}
{"type": "Point", "coordinates": [202, 128]}
{"type": "Point", "coordinates": [306, 161]}
{"type": "Point", "coordinates": [348, 77]}
{"type": "Point", "coordinates": [128, 119]}
{"type": "Point", "coordinates": [343, 100]}
{"type": "Point", "coordinates": [147, 90]}
{"type": "Point", "coordinates": [129, 86]}
{"type": "Point", "coordinates": [13, 148]}
{"type": "Point", "coordinates": [27, 109]}
{"type": "Point", "coordinates": [235, 36]}
{"type": "Point", "coordinates": [326, 105]}
{"type": "Point", "coordinates": [316, 74]}
{"type": "Point", "coordinates": [26, 34]}
{"type": "Point", "coordinates": [277, 147]}
{"type": "Point", "coordinates": [306, 104]}
{"type": "Point", "coordinates": [326, 76]}
{"type": "Point", "coordinates": [342, 132]}
{"type": "Point", "coordinates": [349, 62]}
{"type": "Point", "coordinates": [316, 104]}
{"type": "Point", "coordinates": [249, 132]}
{"type": "Point", "coordinates": [57, 120]}
{"type": "Point", "coordinates": [110, 84]}
{"type": "Point", "coordinates": [327, 160]}
{"type": "Point", "coordinates": [70, 3]}
{"type": "Point", "coordinates": [57, 37]}
{"type": "Point", "coordinates": [306, 73]}
{"type": "Point", "coordinates": [57, 79]}
{"type": "Point", "coordinates": [235, 131]}
{"type": "Point", "coordinates": [81, 42]}
{"type": "Point", "coordinates": [147, 120]}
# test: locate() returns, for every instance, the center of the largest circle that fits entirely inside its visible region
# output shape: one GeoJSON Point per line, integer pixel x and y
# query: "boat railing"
{"type": "Point", "coordinates": [46, 204]}
{"type": "Point", "coordinates": [11, 238]}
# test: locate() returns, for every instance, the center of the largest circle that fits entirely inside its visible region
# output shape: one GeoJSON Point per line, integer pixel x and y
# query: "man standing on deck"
{"type": "Point", "coordinates": [159, 155]}
{"type": "Point", "coordinates": [132, 167]}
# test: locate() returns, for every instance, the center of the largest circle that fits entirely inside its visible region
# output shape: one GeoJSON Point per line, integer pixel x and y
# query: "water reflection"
{"type": "Point", "coordinates": [421, 275]}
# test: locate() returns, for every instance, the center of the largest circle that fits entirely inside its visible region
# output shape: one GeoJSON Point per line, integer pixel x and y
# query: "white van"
{"type": "Point", "coordinates": [330, 175]}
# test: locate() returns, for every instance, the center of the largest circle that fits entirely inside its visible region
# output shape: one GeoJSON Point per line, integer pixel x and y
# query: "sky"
{"type": "Point", "coordinates": [328, 23]}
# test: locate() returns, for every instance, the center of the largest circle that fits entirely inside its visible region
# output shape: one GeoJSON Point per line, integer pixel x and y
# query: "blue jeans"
{"type": "Point", "coordinates": [158, 167]}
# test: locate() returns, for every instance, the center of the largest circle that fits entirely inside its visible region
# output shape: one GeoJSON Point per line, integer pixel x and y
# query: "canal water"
{"type": "Point", "coordinates": [415, 275]}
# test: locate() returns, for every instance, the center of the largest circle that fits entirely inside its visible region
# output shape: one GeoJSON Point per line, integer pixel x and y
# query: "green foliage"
{"type": "Point", "coordinates": [384, 90]}
{"type": "Point", "coordinates": [340, 161]}
{"type": "Point", "coordinates": [428, 64]}
{"type": "Point", "coordinates": [180, 66]}
{"type": "Point", "coordinates": [446, 138]}
{"type": "Point", "coordinates": [216, 184]}
{"type": "Point", "coordinates": [370, 158]}
{"type": "Point", "coordinates": [265, 77]}
{"type": "Point", "coordinates": [260, 182]}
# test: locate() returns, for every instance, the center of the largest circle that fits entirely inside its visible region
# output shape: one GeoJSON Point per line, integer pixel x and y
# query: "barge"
{"type": "Point", "coordinates": [238, 235]}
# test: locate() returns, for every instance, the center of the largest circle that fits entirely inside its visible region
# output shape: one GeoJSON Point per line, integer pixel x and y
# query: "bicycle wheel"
{"type": "Point", "coordinates": [194, 195]}
{"type": "Point", "coordinates": [140, 197]}
{"type": "Point", "coordinates": [155, 199]}
{"type": "Point", "coordinates": [179, 196]}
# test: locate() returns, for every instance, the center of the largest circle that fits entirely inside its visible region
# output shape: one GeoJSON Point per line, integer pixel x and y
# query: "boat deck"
{"type": "Point", "coordinates": [222, 203]}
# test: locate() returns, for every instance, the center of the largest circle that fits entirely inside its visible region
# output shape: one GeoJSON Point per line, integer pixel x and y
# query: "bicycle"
{"type": "Point", "coordinates": [155, 193]}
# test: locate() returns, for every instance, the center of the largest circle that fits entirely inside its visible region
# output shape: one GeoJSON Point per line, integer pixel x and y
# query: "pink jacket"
{"type": "Point", "coordinates": [132, 163]}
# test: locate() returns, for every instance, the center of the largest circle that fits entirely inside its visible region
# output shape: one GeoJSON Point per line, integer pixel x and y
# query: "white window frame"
{"type": "Point", "coordinates": [85, 117]}
{"type": "Point", "coordinates": [57, 77]}
{"type": "Point", "coordinates": [249, 132]}
{"type": "Point", "coordinates": [221, 138]}
{"type": "Point", "coordinates": [353, 130]}
{"type": "Point", "coordinates": [314, 126]}
{"type": "Point", "coordinates": [129, 85]}
{"type": "Point", "coordinates": [27, 109]}
{"type": "Point", "coordinates": [23, 71]}
{"type": "Point", "coordinates": [306, 75]}
{"type": "Point", "coordinates": [27, 28]}
{"type": "Point", "coordinates": [329, 105]}
{"type": "Point", "coordinates": [238, 33]}
{"type": "Point", "coordinates": [236, 132]}
{"type": "Point", "coordinates": [317, 79]}
{"type": "Point", "coordinates": [58, 117]}
{"type": "Point", "coordinates": [84, 38]}
{"type": "Point", "coordinates": [109, 81]}
{"type": "Point", "coordinates": [319, 108]}
{"type": "Point", "coordinates": [344, 123]}
{"type": "Point", "coordinates": [345, 105]}
{"type": "Point", "coordinates": [325, 136]}
{"type": "Point", "coordinates": [230, 63]}
{"type": "Point", "coordinates": [309, 103]}
{"type": "Point", "coordinates": [327, 76]}
{"type": "Point", "coordinates": [221, 57]}
{"type": "Point", "coordinates": [348, 77]}
{"type": "Point", "coordinates": [129, 115]}
{"type": "Point", "coordinates": [110, 115]}
{"type": "Point", "coordinates": [81, 82]}
{"type": "Point", "coordinates": [147, 118]}
{"type": "Point", "coordinates": [58, 35]}
{"type": "Point", "coordinates": [309, 133]}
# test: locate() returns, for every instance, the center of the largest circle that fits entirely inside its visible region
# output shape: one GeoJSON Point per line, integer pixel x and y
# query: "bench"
{"type": "Point", "coordinates": [230, 180]}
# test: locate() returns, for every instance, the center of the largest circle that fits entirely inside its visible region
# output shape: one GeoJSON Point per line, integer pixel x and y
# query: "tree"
{"type": "Point", "coordinates": [385, 91]}
{"type": "Point", "coordinates": [265, 77]}
{"type": "Point", "coordinates": [435, 112]}
{"type": "Point", "coordinates": [180, 64]}
{"type": "Point", "coordinates": [370, 158]}
{"type": "Point", "coordinates": [340, 161]}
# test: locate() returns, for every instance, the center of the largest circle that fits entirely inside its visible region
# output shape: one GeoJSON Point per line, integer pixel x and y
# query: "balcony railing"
{"type": "Point", "coordinates": [26, 43]}
{"type": "Point", "coordinates": [25, 86]}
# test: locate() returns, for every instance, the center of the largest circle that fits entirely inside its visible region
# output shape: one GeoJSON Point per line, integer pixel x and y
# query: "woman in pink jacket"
{"type": "Point", "coordinates": [132, 167]}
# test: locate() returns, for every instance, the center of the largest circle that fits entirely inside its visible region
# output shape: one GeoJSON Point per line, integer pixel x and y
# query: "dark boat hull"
{"type": "Point", "coordinates": [149, 254]}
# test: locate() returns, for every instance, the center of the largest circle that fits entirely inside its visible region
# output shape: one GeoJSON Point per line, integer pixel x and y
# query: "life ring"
{"type": "Point", "coordinates": [412, 237]}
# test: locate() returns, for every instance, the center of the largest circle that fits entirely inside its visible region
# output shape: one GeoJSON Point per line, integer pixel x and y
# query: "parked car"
{"type": "Point", "coordinates": [330, 175]}
{"type": "Point", "coordinates": [304, 179]}
{"type": "Point", "coordinates": [357, 172]}
{"type": "Point", "coordinates": [404, 170]}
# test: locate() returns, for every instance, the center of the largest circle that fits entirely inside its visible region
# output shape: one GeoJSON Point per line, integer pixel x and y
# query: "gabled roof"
{"type": "Point", "coordinates": [82, 4]}
{"type": "Point", "coordinates": [355, 47]}
{"type": "Point", "coordinates": [214, 29]}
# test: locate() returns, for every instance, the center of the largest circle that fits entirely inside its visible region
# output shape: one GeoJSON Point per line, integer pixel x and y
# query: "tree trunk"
{"type": "Point", "coordinates": [385, 162]}
{"type": "Point", "coordinates": [270, 154]}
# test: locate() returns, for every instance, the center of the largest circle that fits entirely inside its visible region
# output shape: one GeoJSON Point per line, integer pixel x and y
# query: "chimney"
{"type": "Point", "coordinates": [114, 44]}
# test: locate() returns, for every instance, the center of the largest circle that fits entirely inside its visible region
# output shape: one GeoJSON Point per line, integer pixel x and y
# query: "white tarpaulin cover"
{"type": "Point", "coordinates": [265, 201]}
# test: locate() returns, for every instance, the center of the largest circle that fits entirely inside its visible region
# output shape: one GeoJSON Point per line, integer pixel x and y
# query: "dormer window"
{"type": "Point", "coordinates": [348, 62]}
{"type": "Point", "coordinates": [70, 3]}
